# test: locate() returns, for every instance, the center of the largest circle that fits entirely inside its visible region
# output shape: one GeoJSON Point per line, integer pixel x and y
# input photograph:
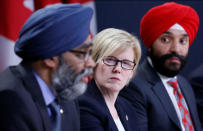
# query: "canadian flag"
{"type": "Point", "coordinates": [14, 14]}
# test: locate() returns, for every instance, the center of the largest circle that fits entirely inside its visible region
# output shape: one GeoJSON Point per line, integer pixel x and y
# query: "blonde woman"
{"type": "Point", "coordinates": [117, 54]}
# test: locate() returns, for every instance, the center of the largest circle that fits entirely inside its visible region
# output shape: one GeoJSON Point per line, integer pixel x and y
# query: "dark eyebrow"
{"type": "Point", "coordinates": [169, 33]}
{"type": "Point", "coordinates": [85, 45]}
{"type": "Point", "coordinates": [185, 35]}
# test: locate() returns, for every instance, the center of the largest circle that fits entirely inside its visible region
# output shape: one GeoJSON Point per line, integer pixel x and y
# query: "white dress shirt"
{"type": "Point", "coordinates": [119, 124]}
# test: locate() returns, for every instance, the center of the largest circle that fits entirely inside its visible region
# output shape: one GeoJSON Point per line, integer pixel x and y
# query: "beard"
{"type": "Point", "coordinates": [66, 82]}
{"type": "Point", "coordinates": [167, 69]}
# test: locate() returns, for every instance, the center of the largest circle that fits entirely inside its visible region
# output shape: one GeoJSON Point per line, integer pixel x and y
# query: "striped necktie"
{"type": "Point", "coordinates": [186, 119]}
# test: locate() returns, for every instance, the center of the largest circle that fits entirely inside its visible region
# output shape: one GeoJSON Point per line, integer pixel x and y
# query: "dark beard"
{"type": "Point", "coordinates": [67, 83]}
{"type": "Point", "coordinates": [160, 61]}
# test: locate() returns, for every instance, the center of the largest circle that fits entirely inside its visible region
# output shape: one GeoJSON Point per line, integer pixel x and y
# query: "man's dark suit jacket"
{"type": "Point", "coordinates": [95, 115]}
{"type": "Point", "coordinates": [153, 104]}
{"type": "Point", "coordinates": [22, 107]}
{"type": "Point", "coordinates": [196, 80]}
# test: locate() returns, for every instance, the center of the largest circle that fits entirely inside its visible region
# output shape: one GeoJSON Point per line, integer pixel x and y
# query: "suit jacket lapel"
{"type": "Point", "coordinates": [158, 88]}
{"type": "Point", "coordinates": [163, 96]}
{"type": "Point", "coordinates": [122, 115]}
{"type": "Point", "coordinates": [94, 91]}
{"type": "Point", "coordinates": [33, 88]}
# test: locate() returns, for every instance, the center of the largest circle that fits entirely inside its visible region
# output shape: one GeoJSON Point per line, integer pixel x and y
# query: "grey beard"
{"type": "Point", "coordinates": [67, 83]}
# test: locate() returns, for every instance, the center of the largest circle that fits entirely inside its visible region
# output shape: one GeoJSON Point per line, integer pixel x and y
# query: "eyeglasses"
{"type": "Point", "coordinates": [82, 55]}
{"type": "Point", "coordinates": [125, 64]}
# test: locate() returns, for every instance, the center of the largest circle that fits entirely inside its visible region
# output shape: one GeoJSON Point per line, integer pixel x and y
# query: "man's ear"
{"type": "Point", "coordinates": [51, 62]}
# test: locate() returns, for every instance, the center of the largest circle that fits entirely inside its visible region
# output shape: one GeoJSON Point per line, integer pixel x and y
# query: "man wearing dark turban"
{"type": "Point", "coordinates": [164, 100]}
{"type": "Point", "coordinates": [39, 93]}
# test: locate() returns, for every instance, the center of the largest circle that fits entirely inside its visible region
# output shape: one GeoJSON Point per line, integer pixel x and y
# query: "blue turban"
{"type": "Point", "coordinates": [53, 30]}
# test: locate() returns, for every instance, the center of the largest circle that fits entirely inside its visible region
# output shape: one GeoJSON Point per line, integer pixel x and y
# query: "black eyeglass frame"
{"type": "Point", "coordinates": [117, 61]}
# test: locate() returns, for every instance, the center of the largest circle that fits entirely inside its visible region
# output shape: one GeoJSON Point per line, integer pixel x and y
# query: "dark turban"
{"type": "Point", "coordinates": [53, 30]}
{"type": "Point", "coordinates": [160, 18]}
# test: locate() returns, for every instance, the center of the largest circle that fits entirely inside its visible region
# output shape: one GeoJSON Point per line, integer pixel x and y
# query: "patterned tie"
{"type": "Point", "coordinates": [55, 116]}
{"type": "Point", "coordinates": [186, 119]}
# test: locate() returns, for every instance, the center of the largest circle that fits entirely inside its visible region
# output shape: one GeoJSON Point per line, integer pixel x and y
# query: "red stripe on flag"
{"type": "Point", "coordinates": [43, 3]}
{"type": "Point", "coordinates": [13, 15]}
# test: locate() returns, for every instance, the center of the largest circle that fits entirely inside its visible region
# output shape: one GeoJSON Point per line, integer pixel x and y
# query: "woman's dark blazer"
{"type": "Point", "coordinates": [95, 115]}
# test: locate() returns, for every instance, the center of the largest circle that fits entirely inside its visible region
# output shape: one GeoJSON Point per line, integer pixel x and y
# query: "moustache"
{"type": "Point", "coordinates": [77, 88]}
{"type": "Point", "coordinates": [168, 56]}
{"type": "Point", "coordinates": [84, 72]}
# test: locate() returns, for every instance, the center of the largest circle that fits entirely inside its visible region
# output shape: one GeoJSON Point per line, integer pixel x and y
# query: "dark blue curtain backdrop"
{"type": "Point", "coordinates": [127, 14]}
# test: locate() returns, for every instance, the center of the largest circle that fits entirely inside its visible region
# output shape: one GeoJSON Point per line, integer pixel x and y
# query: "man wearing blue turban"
{"type": "Point", "coordinates": [39, 93]}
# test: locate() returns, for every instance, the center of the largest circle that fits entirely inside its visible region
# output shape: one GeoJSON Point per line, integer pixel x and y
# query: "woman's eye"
{"type": "Point", "coordinates": [110, 59]}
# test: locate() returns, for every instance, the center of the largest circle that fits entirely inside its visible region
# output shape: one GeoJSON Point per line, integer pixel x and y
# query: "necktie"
{"type": "Point", "coordinates": [186, 119]}
{"type": "Point", "coordinates": [55, 116]}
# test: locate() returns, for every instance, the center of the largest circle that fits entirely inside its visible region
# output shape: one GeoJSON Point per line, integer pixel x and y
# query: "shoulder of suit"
{"type": "Point", "coordinates": [182, 79]}
{"type": "Point", "coordinates": [9, 79]}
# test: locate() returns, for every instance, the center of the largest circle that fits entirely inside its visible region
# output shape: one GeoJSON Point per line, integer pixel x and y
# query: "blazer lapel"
{"type": "Point", "coordinates": [122, 115]}
{"type": "Point", "coordinates": [163, 96]}
{"type": "Point", "coordinates": [159, 89]}
{"type": "Point", "coordinates": [33, 88]}
{"type": "Point", "coordinates": [94, 91]}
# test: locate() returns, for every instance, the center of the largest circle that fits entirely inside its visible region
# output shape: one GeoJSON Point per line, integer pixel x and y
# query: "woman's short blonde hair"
{"type": "Point", "coordinates": [111, 39]}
